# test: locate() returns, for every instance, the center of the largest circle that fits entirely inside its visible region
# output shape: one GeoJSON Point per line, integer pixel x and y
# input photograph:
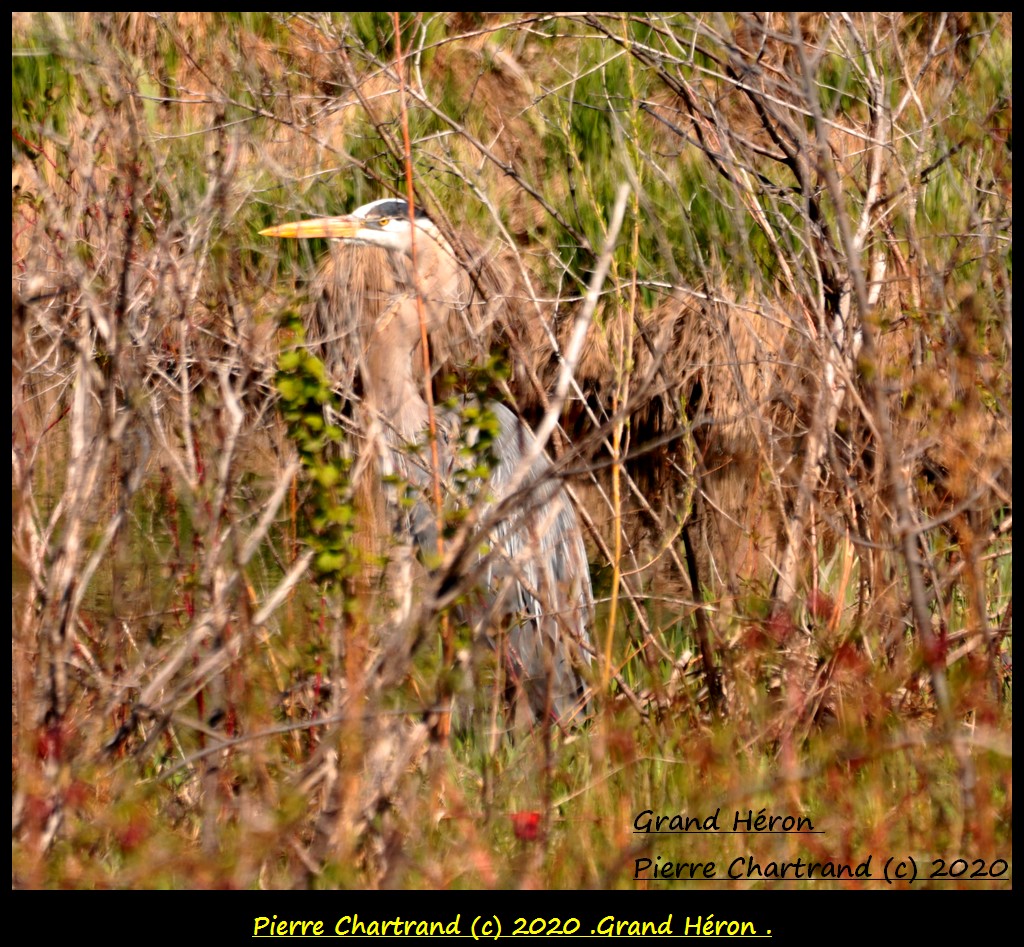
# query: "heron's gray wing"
{"type": "Point", "coordinates": [532, 564]}
{"type": "Point", "coordinates": [537, 569]}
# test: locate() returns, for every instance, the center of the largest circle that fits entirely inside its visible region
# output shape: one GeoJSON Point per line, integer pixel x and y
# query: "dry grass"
{"type": "Point", "coordinates": [789, 433]}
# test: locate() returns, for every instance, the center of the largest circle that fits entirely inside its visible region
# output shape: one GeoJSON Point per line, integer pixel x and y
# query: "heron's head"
{"type": "Point", "coordinates": [384, 223]}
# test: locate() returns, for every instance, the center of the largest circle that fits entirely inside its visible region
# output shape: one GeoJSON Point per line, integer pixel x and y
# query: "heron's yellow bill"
{"type": "Point", "coordinates": [337, 228]}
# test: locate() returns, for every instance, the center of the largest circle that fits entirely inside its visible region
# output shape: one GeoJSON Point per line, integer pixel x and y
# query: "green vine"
{"type": "Point", "coordinates": [306, 402]}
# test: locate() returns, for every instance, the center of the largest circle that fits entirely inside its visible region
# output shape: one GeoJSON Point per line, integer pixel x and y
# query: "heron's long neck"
{"type": "Point", "coordinates": [394, 383]}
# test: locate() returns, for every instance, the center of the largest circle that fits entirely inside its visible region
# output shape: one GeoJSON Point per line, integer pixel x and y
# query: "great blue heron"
{"type": "Point", "coordinates": [536, 596]}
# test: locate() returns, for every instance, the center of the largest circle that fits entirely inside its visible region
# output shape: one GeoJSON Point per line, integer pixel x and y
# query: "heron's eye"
{"type": "Point", "coordinates": [383, 221]}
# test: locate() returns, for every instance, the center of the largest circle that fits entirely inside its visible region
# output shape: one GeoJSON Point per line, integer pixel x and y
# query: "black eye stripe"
{"type": "Point", "coordinates": [391, 209]}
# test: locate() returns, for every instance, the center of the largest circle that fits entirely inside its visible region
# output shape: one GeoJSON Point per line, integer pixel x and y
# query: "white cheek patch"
{"type": "Point", "coordinates": [395, 240]}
